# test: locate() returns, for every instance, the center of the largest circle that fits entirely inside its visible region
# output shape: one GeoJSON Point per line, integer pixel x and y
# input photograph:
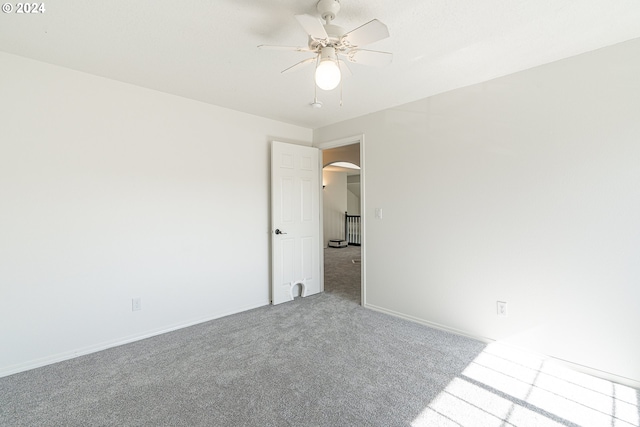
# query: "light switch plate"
{"type": "Point", "coordinates": [502, 309]}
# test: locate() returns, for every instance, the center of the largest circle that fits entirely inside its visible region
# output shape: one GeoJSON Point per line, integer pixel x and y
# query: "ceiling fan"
{"type": "Point", "coordinates": [332, 45]}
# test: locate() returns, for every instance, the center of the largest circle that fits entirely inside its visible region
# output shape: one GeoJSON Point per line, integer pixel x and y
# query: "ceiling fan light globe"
{"type": "Point", "coordinates": [328, 75]}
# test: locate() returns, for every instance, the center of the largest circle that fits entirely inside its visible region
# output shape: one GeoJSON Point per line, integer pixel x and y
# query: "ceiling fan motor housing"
{"type": "Point", "coordinates": [335, 34]}
{"type": "Point", "coordinates": [328, 9]}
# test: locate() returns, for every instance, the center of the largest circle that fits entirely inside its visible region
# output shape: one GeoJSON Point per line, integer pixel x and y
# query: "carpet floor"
{"type": "Point", "coordinates": [318, 361]}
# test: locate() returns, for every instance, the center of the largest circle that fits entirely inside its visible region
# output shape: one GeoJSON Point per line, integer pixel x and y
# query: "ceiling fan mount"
{"type": "Point", "coordinates": [328, 9]}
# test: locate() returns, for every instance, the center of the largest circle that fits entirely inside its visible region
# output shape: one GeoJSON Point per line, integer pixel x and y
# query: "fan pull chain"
{"type": "Point", "coordinates": [315, 86]}
{"type": "Point", "coordinates": [341, 92]}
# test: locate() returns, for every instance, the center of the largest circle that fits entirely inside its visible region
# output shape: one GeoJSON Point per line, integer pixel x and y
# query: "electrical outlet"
{"type": "Point", "coordinates": [502, 309]}
{"type": "Point", "coordinates": [136, 304]}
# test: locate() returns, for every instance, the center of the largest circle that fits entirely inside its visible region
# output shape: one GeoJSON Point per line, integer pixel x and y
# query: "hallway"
{"type": "Point", "coordinates": [341, 274]}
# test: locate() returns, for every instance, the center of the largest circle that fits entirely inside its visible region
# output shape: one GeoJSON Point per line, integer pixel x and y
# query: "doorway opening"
{"type": "Point", "coordinates": [342, 220]}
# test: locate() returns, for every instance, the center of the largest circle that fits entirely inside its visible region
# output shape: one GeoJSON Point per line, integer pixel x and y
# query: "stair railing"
{"type": "Point", "coordinates": [352, 229]}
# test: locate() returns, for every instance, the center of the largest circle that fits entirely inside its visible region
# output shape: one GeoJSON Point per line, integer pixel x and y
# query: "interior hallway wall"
{"type": "Point", "coordinates": [334, 204]}
{"type": "Point", "coordinates": [353, 203]}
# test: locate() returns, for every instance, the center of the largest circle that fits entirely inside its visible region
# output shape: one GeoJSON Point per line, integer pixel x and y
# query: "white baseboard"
{"type": "Point", "coordinates": [60, 357]}
{"type": "Point", "coordinates": [630, 382]}
{"type": "Point", "coordinates": [427, 323]}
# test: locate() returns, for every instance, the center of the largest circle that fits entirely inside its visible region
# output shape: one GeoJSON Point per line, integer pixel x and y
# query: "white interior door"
{"type": "Point", "coordinates": [295, 221]}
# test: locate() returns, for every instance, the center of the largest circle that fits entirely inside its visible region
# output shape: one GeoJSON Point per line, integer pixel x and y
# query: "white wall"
{"type": "Point", "coordinates": [353, 194]}
{"type": "Point", "coordinates": [353, 203]}
{"type": "Point", "coordinates": [334, 204]}
{"type": "Point", "coordinates": [524, 189]}
{"type": "Point", "coordinates": [111, 192]}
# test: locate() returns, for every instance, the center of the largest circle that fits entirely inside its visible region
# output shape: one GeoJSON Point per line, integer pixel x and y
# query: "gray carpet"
{"type": "Point", "coordinates": [317, 361]}
{"type": "Point", "coordinates": [341, 274]}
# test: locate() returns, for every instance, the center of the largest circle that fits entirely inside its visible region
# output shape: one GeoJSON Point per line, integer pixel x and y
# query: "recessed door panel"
{"type": "Point", "coordinates": [306, 163]}
{"type": "Point", "coordinates": [288, 261]}
{"type": "Point", "coordinates": [286, 161]}
{"type": "Point", "coordinates": [307, 257]}
{"type": "Point", "coordinates": [286, 199]}
{"type": "Point", "coordinates": [306, 201]}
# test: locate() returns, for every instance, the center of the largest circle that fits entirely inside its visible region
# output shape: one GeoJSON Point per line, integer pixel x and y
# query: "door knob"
{"type": "Point", "coordinates": [279, 232]}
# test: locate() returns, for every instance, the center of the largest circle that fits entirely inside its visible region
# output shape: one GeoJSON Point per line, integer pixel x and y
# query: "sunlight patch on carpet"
{"type": "Point", "coordinates": [503, 385]}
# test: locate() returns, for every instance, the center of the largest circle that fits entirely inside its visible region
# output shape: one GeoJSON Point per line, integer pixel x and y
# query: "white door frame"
{"type": "Point", "coordinates": [355, 139]}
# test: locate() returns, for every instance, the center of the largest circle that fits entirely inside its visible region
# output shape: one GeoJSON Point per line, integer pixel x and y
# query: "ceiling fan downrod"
{"type": "Point", "coordinates": [328, 9]}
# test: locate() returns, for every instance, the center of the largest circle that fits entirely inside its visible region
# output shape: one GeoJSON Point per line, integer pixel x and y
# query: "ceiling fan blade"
{"type": "Point", "coordinates": [369, 57]}
{"type": "Point", "coordinates": [299, 65]}
{"type": "Point", "coordinates": [370, 32]}
{"type": "Point", "coordinates": [344, 69]}
{"type": "Point", "coordinates": [289, 48]}
{"type": "Point", "coordinates": [313, 26]}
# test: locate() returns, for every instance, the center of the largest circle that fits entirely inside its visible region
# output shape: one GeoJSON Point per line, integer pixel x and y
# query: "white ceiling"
{"type": "Point", "coordinates": [206, 50]}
